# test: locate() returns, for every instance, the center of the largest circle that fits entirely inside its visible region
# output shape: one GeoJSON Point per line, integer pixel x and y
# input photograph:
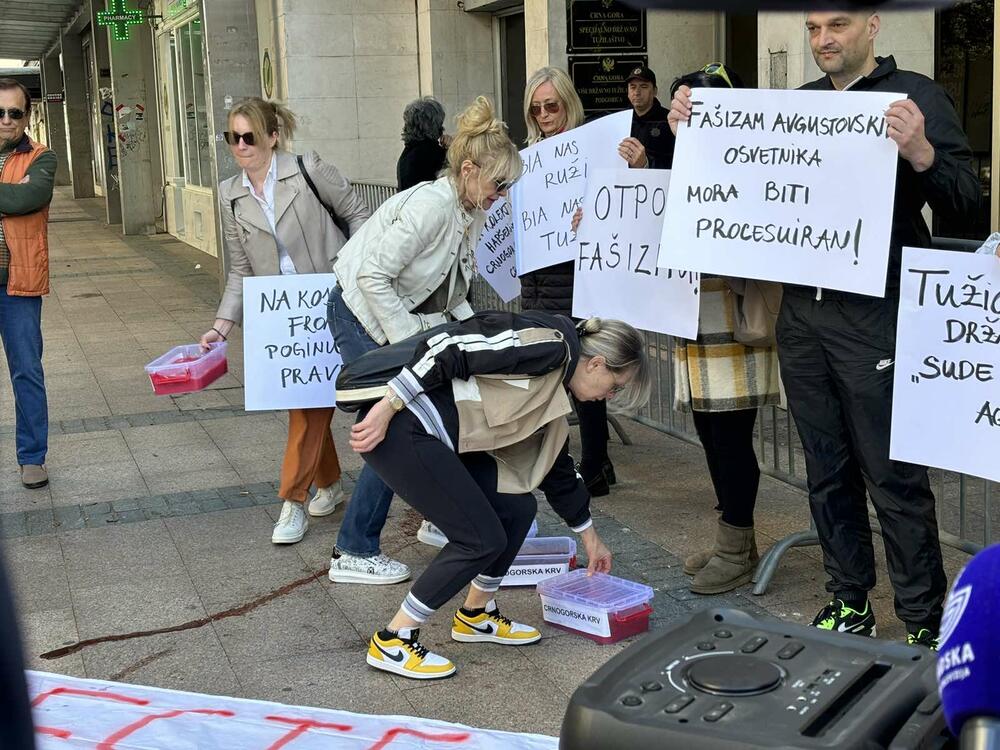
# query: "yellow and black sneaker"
{"type": "Point", "coordinates": [475, 625]}
{"type": "Point", "coordinates": [401, 653]}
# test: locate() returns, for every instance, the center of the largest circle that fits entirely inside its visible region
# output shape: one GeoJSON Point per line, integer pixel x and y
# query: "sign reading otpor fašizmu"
{"type": "Point", "coordinates": [290, 359]}
{"type": "Point", "coordinates": [945, 403]}
{"type": "Point", "coordinates": [792, 186]}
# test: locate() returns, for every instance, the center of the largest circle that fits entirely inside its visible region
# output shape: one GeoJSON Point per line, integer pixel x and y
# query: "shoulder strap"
{"type": "Point", "coordinates": [341, 224]}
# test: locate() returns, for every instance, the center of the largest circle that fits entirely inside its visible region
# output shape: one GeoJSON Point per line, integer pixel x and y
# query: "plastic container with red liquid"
{"type": "Point", "coordinates": [540, 558]}
{"type": "Point", "coordinates": [187, 368]}
{"type": "Point", "coordinates": [600, 607]}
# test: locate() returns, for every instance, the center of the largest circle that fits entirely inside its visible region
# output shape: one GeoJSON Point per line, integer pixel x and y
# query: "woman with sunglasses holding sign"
{"type": "Point", "coordinates": [723, 383]}
{"type": "Point", "coordinates": [282, 214]}
{"type": "Point", "coordinates": [551, 107]}
{"type": "Point", "coordinates": [409, 270]}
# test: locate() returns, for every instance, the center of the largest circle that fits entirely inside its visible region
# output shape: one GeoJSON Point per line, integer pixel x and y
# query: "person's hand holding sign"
{"type": "Point", "coordinates": [680, 108]}
{"type": "Point", "coordinates": [906, 128]}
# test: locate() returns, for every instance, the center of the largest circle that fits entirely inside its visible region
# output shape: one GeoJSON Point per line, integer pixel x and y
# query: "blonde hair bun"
{"type": "Point", "coordinates": [479, 118]}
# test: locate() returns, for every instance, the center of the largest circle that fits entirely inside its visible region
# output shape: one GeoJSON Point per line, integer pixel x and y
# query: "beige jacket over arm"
{"type": "Point", "coordinates": [305, 228]}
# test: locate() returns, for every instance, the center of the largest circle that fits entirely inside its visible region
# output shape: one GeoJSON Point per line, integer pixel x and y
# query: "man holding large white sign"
{"type": "Point", "coordinates": [615, 274]}
{"type": "Point", "coordinates": [837, 349]}
{"type": "Point", "coordinates": [946, 405]}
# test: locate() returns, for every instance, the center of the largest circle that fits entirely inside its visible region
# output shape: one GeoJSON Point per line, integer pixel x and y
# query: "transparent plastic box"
{"type": "Point", "coordinates": [601, 607]}
{"type": "Point", "coordinates": [187, 368]}
{"type": "Point", "coordinates": [540, 558]}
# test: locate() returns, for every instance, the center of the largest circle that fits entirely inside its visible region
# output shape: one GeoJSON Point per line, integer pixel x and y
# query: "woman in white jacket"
{"type": "Point", "coordinates": [408, 269]}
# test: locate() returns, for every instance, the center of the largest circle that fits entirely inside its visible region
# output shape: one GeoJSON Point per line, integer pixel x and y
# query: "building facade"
{"type": "Point", "coordinates": [144, 109]}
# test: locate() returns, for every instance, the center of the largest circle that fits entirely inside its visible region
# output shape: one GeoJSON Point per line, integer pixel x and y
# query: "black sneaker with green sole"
{"type": "Point", "coordinates": [923, 637]}
{"type": "Point", "coordinates": [840, 618]}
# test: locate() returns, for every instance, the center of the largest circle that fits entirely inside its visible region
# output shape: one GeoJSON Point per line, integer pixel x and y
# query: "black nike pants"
{"type": "Point", "coordinates": [458, 494]}
{"type": "Point", "coordinates": [594, 435]}
{"type": "Point", "coordinates": [836, 358]}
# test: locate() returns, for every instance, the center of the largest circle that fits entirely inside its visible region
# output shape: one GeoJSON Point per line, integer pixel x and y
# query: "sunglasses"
{"type": "Point", "coordinates": [233, 138]}
{"type": "Point", "coordinates": [501, 185]}
{"type": "Point", "coordinates": [718, 69]}
{"type": "Point", "coordinates": [14, 114]}
{"type": "Point", "coordinates": [550, 107]}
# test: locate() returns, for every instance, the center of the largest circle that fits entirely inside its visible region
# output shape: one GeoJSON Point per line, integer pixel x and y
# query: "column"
{"type": "Point", "coordinates": [109, 135]}
{"type": "Point", "coordinates": [79, 155]}
{"type": "Point", "coordinates": [55, 116]}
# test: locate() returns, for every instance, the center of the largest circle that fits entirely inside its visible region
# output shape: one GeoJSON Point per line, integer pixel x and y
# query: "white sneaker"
{"type": "Point", "coordinates": [292, 524]}
{"type": "Point", "coordinates": [430, 534]}
{"type": "Point", "coordinates": [326, 500]}
{"type": "Point", "coordinates": [377, 569]}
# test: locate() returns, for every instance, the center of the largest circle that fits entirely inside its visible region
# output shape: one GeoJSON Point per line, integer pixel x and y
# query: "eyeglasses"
{"type": "Point", "coordinates": [14, 114]}
{"type": "Point", "coordinates": [718, 69]}
{"type": "Point", "coordinates": [550, 107]}
{"type": "Point", "coordinates": [233, 138]}
{"type": "Point", "coordinates": [502, 186]}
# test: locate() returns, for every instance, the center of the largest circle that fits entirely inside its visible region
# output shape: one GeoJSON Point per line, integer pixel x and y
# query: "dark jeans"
{"type": "Point", "coordinates": [369, 506]}
{"type": "Point", "coordinates": [727, 437]}
{"type": "Point", "coordinates": [836, 358]}
{"type": "Point", "coordinates": [458, 494]}
{"type": "Point", "coordinates": [21, 335]}
{"type": "Point", "coordinates": [593, 418]}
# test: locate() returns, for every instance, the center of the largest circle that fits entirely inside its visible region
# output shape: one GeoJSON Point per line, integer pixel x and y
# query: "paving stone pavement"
{"type": "Point", "coordinates": [159, 514]}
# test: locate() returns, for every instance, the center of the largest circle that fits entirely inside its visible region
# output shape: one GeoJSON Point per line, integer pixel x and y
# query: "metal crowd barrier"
{"type": "Point", "coordinates": [964, 503]}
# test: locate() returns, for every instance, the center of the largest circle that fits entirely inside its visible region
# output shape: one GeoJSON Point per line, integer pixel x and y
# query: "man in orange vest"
{"type": "Point", "coordinates": [27, 172]}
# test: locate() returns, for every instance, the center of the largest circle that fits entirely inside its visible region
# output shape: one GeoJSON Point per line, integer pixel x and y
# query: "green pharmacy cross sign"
{"type": "Point", "coordinates": [119, 18]}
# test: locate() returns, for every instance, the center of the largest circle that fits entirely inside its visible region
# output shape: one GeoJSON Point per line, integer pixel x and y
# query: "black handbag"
{"type": "Point", "coordinates": [342, 225]}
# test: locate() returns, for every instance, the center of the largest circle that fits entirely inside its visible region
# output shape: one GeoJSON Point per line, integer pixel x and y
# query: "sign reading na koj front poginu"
{"type": "Point", "coordinates": [290, 358]}
{"type": "Point", "coordinates": [791, 186]}
{"type": "Point", "coordinates": [946, 403]}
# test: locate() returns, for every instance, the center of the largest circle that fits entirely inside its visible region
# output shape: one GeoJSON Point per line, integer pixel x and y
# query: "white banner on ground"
{"type": "Point", "coordinates": [80, 714]}
{"type": "Point", "coordinates": [495, 259]}
{"type": "Point", "coordinates": [793, 186]}
{"type": "Point", "coordinates": [552, 187]}
{"type": "Point", "coordinates": [946, 404]}
{"type": "Point", "coordinates": [290, 359]}
{"type": "Point", "coordinates": [619, 238]}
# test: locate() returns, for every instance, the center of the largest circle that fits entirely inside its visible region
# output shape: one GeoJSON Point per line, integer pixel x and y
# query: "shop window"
{"type": "Point", "coordinates": [195, 155]}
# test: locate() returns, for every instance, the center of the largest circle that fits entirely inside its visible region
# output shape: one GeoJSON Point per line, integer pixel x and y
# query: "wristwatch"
{"type": "Point", "coordinates": [395, 401]}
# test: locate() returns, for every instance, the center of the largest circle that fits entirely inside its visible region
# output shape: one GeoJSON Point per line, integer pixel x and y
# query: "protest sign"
{"type": "Point", "coordinates": [552, 186]}
{"type": "Point", "coordinates": [794, 186]}
{"type": "Point", "coordinates": [495, 258]}
{"type": "Point", "coordinates": [290, 359]}
{"type": "Point", "coordinates": [946, 404]}
{"type": "Point", "coordinates": [616, 274]}
{"type": "Point", "coordinates": [70, 712]}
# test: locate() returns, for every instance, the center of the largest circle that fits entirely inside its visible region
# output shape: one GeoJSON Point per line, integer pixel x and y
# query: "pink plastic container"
{"type": "Point", "coordinates": [602, 608]}
{"type": "Point", "coordinates": [187, 368]}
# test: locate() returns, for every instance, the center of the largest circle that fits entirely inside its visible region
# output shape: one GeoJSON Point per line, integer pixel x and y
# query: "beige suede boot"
{"type": "Point", "coordinates": [732, 564]}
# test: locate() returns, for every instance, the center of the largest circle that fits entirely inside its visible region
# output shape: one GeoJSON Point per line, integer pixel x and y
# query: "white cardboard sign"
{"type": "Point", "coordinates": [495, 253]}
{"type": "Point", "coordinates": [576, 616]}
{"type": "Point", "coordinates": [946, 401]}
{"type": "Point", "coordinates": [290, 358]}
{"type": "Point", "coordinates": [616, 275]}
{"type": "Point", "coordinates": [95, 715]}
{"type": "Point", "coordinates": [552, 186]}
{"type": "Point", "coordinates": [793, 186]}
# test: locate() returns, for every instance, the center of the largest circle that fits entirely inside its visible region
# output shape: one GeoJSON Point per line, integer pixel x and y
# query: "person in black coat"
{"type": "Point", "coordinates": [425, 147]}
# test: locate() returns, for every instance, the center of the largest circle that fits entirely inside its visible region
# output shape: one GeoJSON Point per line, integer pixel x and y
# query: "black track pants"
{"type": "Point", "coordinates": [458, 494]}
{"type": "Point", "coordinates": [837, 359]}
{"type": "Point", "coordinates": [727, 437]}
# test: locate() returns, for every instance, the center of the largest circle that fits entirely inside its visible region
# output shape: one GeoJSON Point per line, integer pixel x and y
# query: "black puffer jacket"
{"type": "Point", "coordinates": [549, 289]}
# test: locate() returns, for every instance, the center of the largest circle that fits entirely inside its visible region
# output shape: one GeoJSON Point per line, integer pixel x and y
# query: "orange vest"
{"type": "Point", "coordinates": [27, 236]}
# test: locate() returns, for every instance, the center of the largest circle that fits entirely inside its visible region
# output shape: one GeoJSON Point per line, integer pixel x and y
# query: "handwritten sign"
{"type": "Point", "coordinates": [619, 241]}
{"type": "Point", "coordinates": [77, 713]}
{"type": "Point", "coordinates": [495, 253]}
{"type": "Point", "coordinates": [792, 186]}
{"type": "Point", "coordinates": [552, 187]}
{"type": "Point", "coordinates": [946, 400]}
{"type": "Point", "coordinates": [290, 359]}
